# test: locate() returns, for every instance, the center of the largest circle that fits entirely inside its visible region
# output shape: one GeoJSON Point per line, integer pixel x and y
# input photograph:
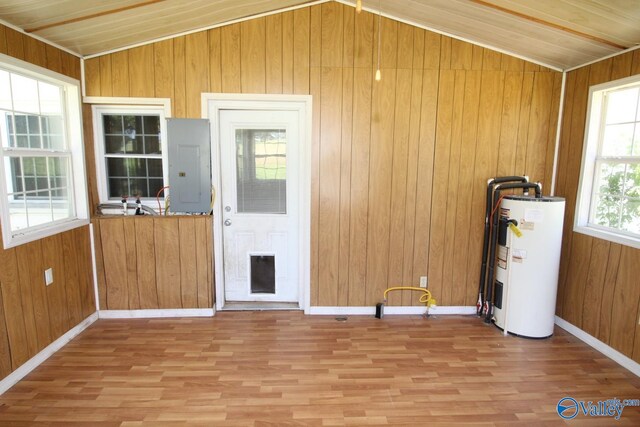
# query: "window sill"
{"type": "Point", "coordinates": [607, 235]}
{"type": "Point", "coordinates": [13, 241]}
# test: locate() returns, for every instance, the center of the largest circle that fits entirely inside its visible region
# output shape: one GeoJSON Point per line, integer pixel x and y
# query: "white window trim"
{"type": "Point", "coordinates": [73, 128]}
{"type": "Point", "coordinates": [135, 106]}
{"type": "Point", "coordinates": [587, 170]}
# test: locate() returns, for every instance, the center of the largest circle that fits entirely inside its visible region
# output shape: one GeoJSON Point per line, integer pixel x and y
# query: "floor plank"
{"type": "Point", "coordinates": [284, 368]}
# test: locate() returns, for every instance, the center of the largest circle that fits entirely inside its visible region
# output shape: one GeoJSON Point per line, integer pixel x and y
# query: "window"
{"type": "Point", "coordinates": [609, 194]}
{"type": "Point", "coordinates": [130, 151]}
{"type": "Point", "coordinates": [261, 158]}
{"type": "Point", "coordinates": [42, 179]}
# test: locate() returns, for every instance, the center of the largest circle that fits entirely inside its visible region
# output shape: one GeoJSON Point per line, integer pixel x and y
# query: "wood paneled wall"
{"type": "Point", "coordinates": [399, 166]}
{"type": "Point", "coordinates": [599, 288]}
{"type": "Point", "coordinates": [154, 262]}
{"type": "Point", "coordinates": [33, 315]}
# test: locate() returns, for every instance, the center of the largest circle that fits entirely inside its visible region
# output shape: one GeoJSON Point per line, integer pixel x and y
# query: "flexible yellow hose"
{"type": "Point", "coordinates": [426, 298]}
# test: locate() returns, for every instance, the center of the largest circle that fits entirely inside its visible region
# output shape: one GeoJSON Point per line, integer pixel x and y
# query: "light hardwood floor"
{"type": "Point", "coordinates": [282, 368]}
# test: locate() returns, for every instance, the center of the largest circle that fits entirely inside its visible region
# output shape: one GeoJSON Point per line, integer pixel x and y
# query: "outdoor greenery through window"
{"type": "Point", "coordinates": [612, 159]}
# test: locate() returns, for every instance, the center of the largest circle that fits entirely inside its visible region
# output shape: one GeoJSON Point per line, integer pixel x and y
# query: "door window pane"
{"type": "Point", "coordinates": [261, 161]}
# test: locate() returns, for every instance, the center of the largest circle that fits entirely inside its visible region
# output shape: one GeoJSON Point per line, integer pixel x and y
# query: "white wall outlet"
{"type": "Point", "coordinates": [48, 276]}
{"type": "Point", "coordinates": [423, 282]}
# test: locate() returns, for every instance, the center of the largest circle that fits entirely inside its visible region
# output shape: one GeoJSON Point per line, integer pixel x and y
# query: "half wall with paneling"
{"type": "Point", "coordinates": [33, 315]}
{"type": "Point", "coordinates": [599, 288]}
{"type": "Point", "coordinates": [399, 166]}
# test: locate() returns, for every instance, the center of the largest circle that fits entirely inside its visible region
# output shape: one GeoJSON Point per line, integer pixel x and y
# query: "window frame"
{"type": "Point", "coordinates": [73, 132]}
{"type": "Point", "coordinates": [592, 145]}
{"type": "Point", "coordinates": [128, 106]}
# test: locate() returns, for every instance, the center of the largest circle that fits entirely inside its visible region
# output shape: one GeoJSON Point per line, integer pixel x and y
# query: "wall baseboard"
{"type": "Point", "coordinates": [11, 379]}
{"type": "Point", "coordinates": [156, 313]}
{"type": "Point", "coordinates": [603, 348]}
{"type": "Point", "coordinates": [388, 310]}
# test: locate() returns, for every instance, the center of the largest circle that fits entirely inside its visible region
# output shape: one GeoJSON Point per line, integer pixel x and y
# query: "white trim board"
{"type": "Point", "coordinates": [598, 345]}
{"type": "Point", "coordinates": [31, 364]}
{"type": "Point", "coordinates": [154, 314]}
{"type": "Point", "coordinates": [389, 310]}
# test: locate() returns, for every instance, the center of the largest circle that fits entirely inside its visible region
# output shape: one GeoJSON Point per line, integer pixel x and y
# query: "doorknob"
{"type": "Point", "coordinates": [227, 222]}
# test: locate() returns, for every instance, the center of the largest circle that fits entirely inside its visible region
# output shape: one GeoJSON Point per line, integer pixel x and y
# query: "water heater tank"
{"type": "Point", "coordinates": [527, 266]}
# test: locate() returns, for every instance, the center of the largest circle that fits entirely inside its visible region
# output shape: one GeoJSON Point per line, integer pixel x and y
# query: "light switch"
{"type": "Point", "coordinates": [48, 276]}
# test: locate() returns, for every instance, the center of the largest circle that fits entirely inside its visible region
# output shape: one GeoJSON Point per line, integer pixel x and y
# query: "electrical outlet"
{"type": "Point", "coordinates": [423, 282]}
{"type": "Point", "coordinates": [48, 276]}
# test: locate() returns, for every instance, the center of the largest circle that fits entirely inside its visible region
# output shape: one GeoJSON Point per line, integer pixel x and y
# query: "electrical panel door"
{"type": "Point", "coordinates": [189, 165]}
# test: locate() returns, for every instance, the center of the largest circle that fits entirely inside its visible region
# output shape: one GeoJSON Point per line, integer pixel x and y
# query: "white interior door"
{"type": "Point", "coordinates": [260, 178]}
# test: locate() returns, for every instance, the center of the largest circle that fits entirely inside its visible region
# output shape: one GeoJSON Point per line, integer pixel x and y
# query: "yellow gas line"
{"type": "Point", "coordinates": [425, 298]}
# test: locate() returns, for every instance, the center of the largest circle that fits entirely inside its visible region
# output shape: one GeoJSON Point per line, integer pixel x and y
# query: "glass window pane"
{"type": "Point", "coordinates": [617, 140]}
{"type": "Point", "coordinates": [41, 166]}
{"type": "Point", "coordinates": [57, 172]}
{"type": "Point", "coordinates": [607, 210]}
{"type": "Point", "coordinates": [17, 213]}
{"type": "Point", "coordinates": [28, 165]}
{"type": "Point", "coordinates": [114, 144]}
{"type": "Point", "coordinates": [25, 94]}
{"type": "Point", "coordinates": [632, 181]}
{"type": "Point", "coordinates": [138, 188]}
{"type": "Point", "coordinates": [22, 141]}
{"type": "Point", "coordinates": [61, 204]}
{"type": "Point", "coordinates": [56, 132]}
{"type": "Point", "coordinates": [261, 170]}
{"type": "Point", "coordinates": [154, 186]}
{"type": "Point", "coordinates": [630, 219]}
{"type": "Point", "coordinates": [155, 168]}
{"type": "Point", "coordinates": [132, 126]}
{"type": "Point", "coordinates": [621, 105]}
{"type": "Point", "coordinates": [610, 178]}
{"type": "Point", "coordinates": [152, 145]}
{"type": "Point", "coordinates": [118, 187]}
{"type": "Point", "coordinates": [39, 208]}
{"type": "Point", "coordinates": [34, 125]}
{"type": "Point", "coordinates": [29, 184]}
{"type": "Point", "coordinates": [133, 146]}
{"type": "Point", "coordinates": [35, 141]}
{"type": "Point", "coordinates": [636, 141]}
{"type": "Point", "coordinates": [137, 167]}
{"type": "Point", "coordinates": [50, 100]}
{"type": "Point", "coordinates": [151, 125]}
{"type": "Point", "coordinates": [13, 175]}
{"type": "Point", "coordinates": [112, 124]}
{"type": "Point", "coordinates": [21, 124]}
{"type": "Point", "coordinates": [116, 167]}
{"type": "Point", "coordinates": [42, 183]}
{"type": "Point", "coordinates": [5, 91]}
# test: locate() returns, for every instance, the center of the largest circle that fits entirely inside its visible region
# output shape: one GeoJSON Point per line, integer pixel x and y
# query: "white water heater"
{"type": "Point", "coordinates": [527, 265]}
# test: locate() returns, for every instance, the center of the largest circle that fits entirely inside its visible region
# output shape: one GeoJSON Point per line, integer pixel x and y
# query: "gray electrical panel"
{"type": "Point", "coordinates": [189, 165]}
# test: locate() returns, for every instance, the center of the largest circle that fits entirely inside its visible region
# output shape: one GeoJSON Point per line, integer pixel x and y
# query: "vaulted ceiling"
{"type": "Point", "coordinates": [556, 33]}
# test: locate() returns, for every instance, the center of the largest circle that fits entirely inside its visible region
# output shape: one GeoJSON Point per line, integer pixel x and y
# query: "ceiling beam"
{"type": "Point", "coordinates": [549, 24]}
{"type": "Point", "coordinates": [93, 15]}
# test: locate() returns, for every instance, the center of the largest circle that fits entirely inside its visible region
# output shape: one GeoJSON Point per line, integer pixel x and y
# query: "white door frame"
{"type": "Point", "coordinates": [212, 103]}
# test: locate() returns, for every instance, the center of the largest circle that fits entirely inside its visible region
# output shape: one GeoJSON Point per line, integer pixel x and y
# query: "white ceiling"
{"type": "Point", "coordinates": [557, 33]}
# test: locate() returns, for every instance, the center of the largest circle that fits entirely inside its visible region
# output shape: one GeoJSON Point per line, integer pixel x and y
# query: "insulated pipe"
{"type": "Point", "coordinates": [485, 245]}
{"type": "Point", "coordinates": [494, 237]}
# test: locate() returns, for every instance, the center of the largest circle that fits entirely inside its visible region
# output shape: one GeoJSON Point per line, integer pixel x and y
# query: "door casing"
{"type": "Point", "coordinates": [212, 103]}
